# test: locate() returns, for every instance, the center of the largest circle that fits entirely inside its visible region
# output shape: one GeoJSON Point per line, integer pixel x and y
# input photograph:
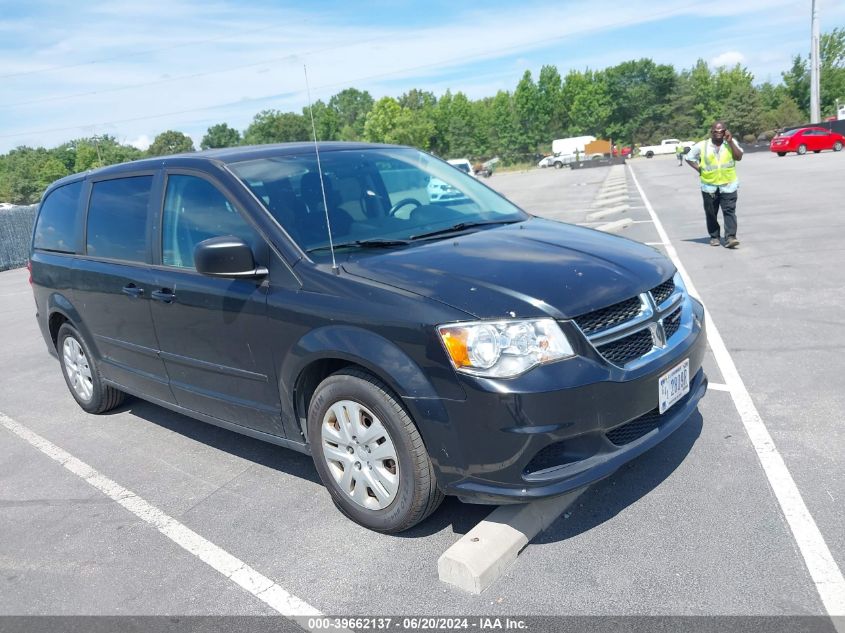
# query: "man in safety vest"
{"type": "Point", "coordinates": [715, 160]}
{"type": "Point", "coordinates": [679, 153]}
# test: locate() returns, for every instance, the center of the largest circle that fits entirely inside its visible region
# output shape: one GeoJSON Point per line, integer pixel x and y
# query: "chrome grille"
{"type": "Point", "coordinates": [626, 349]}
{"type": "Point", "coordinates": [663, 291]}
{"type": "Point", "coordinates": [604, 318]}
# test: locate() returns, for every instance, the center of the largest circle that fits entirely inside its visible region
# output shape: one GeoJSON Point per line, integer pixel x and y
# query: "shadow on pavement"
{"type": "Point", "coordinates": [605, 499]}
{"type": "Point", "coordinates": [462, 517]}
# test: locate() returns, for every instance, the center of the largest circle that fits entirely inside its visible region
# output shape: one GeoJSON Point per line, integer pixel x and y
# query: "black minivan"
{"type": "Point", "coordinates": [372, 306]}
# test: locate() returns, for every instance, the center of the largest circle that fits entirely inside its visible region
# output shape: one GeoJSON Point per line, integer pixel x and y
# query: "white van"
{"type": "Point", "coordinates": [463, 164]}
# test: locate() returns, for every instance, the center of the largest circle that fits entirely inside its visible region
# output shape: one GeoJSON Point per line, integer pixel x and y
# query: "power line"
{"type": "Point", "coordinates": [463, 58]}
{"type": "Point", "coordinates": [136, 53]}
{"type": "Point", "coordinates": [290, 56]}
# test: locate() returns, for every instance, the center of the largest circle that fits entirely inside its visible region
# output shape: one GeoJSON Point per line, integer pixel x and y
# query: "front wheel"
{"type": "Point", "coordinates": [802, 149]}
{"type": "Point", "coordinates": [369, 454]}
{"type": "Point", "coordinates": [558, 165]}
{"type": "Point", "coordinates": [837, 146]}
{"type": "Point", "coordinates": [82, 374]}
{"type": "Point", "coordinates": [649, 154]}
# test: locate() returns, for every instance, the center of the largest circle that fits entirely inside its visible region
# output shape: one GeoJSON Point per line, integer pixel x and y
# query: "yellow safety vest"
{"type": "Point", "coordinates": [717, 169]}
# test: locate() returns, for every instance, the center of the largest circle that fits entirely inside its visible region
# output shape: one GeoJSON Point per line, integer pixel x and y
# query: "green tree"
{"type": "Point", "coordinates": [460, 130]}
{"type": "Point", "coordinates": [552, 119]}
{"type": "Point", "coordinates": [220, 135]}
{"type": "Point", "coordinates": [503, 131]}
{"type": "Point", "coordinates": [326, 121]}
{"type": "Point", "coordinates": [529, 119]}
{"type": "Point", "coordinates": [170, 142]}
{"type": "Point", "coordinates": [797, 82]}
{"type": "Point", "coordinates": [786, 114]}
{"type": "Point", "coordinates": [352, 107]}
{"type": "Point", "coordinates": [641, 94]}
{"type": "Point", "coordinates": [832, 70]}
{"type": "Point", "coordinates": [741, 108]}
{"type": "Point", "coordinates": [383, 121]}
{"type": "Point", "coordinates": [273, 126]}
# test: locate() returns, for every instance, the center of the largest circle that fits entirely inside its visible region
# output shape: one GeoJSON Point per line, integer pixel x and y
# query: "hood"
{"type": "Point", "coordinates": [533, 268]}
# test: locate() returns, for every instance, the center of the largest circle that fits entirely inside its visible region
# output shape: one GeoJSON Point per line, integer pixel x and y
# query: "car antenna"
{"type": "Point", "coordinates": [335, 268]}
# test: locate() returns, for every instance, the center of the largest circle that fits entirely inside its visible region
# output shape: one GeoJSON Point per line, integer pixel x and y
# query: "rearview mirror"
{"type": "Point", "coordinates": [226, 256]}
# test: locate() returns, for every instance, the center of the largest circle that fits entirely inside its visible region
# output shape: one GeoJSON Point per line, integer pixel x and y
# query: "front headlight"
{"type": "Point", "coordinates": [503, 349]}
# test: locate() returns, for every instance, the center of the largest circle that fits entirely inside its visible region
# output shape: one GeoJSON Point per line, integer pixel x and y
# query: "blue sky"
{"type": "Point", "coordinates": [134, 68]}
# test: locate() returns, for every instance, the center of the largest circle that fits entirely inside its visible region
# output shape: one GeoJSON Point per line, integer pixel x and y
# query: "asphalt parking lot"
{"type": "Point", "coordinates": [694, 527]}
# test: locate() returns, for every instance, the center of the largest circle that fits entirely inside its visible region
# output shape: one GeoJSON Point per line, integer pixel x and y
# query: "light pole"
{"type": "Point", "coordinates": [815, 110]}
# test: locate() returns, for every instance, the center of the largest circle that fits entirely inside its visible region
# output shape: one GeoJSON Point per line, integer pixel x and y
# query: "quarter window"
{"type": "Point", "coordinates": [195, 210]}
{"type": "Point", "coordinates": [117, 218]}
{"type": "Point", "coordinates": [56, 229]}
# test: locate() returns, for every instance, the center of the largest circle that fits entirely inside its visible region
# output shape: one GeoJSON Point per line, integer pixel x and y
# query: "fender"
{"type": "Point", "coordinates": [58, 303]}
{"type": "Point", "coordinates": [380, 356]}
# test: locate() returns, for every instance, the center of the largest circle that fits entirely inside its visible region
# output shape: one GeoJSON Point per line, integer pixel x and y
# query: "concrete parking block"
{"type": "Point", "coordinates": [487, 550]}
{"type": "Point", "coordinates": [598, 215]}
{"type": "Point", "coordinates": [615, 227]}
{"type": "Point", "coordinates": [604, 202]}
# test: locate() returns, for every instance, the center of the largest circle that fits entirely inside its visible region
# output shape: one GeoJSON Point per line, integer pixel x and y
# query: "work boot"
{"type": "Point", "coordinates": [731, 242]}
{"type": "Point", "coordinates": [714, 241]}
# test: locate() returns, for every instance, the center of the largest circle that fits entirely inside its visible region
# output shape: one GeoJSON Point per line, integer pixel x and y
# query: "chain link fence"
{"type": "Point", "coordinates": [15, 234]}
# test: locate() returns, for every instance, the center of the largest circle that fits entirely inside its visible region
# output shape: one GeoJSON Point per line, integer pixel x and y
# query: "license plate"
{"type": "Point", "coordinates": [673, 385]}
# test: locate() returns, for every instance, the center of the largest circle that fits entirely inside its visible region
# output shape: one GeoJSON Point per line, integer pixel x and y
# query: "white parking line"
{"type": "Point", "coordinates": [820, 563]}
{"type": "Point", "coordinates": [716, 386]}
{"type": "Point", "coordinates": [220, 560]}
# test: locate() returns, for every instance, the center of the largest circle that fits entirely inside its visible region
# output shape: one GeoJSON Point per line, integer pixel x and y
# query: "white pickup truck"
{"type": "Point", "coordinates": [667, 146]}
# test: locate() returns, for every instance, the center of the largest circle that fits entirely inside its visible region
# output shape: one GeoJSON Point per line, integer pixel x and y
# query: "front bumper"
{"type": "Point", "coordinates": [560, 426]}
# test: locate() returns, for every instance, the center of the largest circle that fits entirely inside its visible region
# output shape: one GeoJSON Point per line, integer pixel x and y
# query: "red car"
{"type": "Point", "coordinates": [804, 139]}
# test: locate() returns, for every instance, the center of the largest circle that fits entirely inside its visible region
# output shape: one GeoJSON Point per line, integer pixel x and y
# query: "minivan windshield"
{"type": "Point", "coordinates": [378, 197]}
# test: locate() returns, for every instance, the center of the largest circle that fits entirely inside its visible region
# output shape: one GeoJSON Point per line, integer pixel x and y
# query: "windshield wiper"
{"type": "Point", "coordinates": [460, 226]}
{"type": "Point", "coordinates": [373, 243]}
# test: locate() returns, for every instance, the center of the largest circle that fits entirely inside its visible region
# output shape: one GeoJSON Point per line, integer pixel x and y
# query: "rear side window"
{"type": "Point", "coordinates": [195, 210]}
{"type": "Point", "coordinates": [117, 218]}
{"type": "Point", "coordinates": [56, 228]}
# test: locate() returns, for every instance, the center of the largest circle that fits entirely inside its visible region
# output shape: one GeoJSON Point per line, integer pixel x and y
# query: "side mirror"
{"type": "Point", "coordinates": [226, 256]}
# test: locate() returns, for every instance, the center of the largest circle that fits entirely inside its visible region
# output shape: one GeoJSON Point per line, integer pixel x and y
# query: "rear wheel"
{"type": "Point", "coordinates": [837, 146]}
{"type": "Point", "coordinates": [802, 149]}
{"type": "Point", "coordinates": [649, 154]}
{"type": "Point", "coordinates": [369, 454]}
{"type": "Point", "coordinates": [82, 374]}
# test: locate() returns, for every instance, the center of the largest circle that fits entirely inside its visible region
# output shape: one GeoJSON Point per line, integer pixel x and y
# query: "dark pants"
{"type": "Point", "coordinates": [712, 203]}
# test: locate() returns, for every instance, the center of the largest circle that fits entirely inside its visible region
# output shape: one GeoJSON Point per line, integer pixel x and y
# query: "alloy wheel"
{"type": "Point", "coordinates": [77, 368]}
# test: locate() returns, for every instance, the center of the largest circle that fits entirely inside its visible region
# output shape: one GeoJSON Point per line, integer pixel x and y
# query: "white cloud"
{"type": "Point", "coordinates": [729, 58]}
{"type": "Point", "coordinates": [140, 68]}
{"type": "Point", "coordinates": [142, 142]}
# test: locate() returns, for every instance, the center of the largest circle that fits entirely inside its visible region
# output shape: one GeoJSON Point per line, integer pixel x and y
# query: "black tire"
{"type": "Point", "coordinates": [837, 146]}
{"type": "Point", "coordinates": [781, 153]}
{"type": "Point", "coordinates": [103, 397]}
{"type": "Point", "coordinates": [417, 495]}
{"type": "Point", "coordinates": [649, 154]}
{"type": "Point", "coordinates": [802, 149]}
{"type": "Point", "coordinates": [558, 165]}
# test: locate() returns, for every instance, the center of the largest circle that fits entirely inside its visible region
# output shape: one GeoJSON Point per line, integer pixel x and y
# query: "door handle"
{"type": "Point", "coordinates": [132, 290]}
{"type": "Point", "coordinates": [164, 295]}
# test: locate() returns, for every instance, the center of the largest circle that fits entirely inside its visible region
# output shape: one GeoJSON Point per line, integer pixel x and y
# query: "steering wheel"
{"type": "Point", "coordinates": [403, 202]}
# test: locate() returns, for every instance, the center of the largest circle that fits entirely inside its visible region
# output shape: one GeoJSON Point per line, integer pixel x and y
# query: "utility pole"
{"type": "Point", "coordinates": [815, 110]}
